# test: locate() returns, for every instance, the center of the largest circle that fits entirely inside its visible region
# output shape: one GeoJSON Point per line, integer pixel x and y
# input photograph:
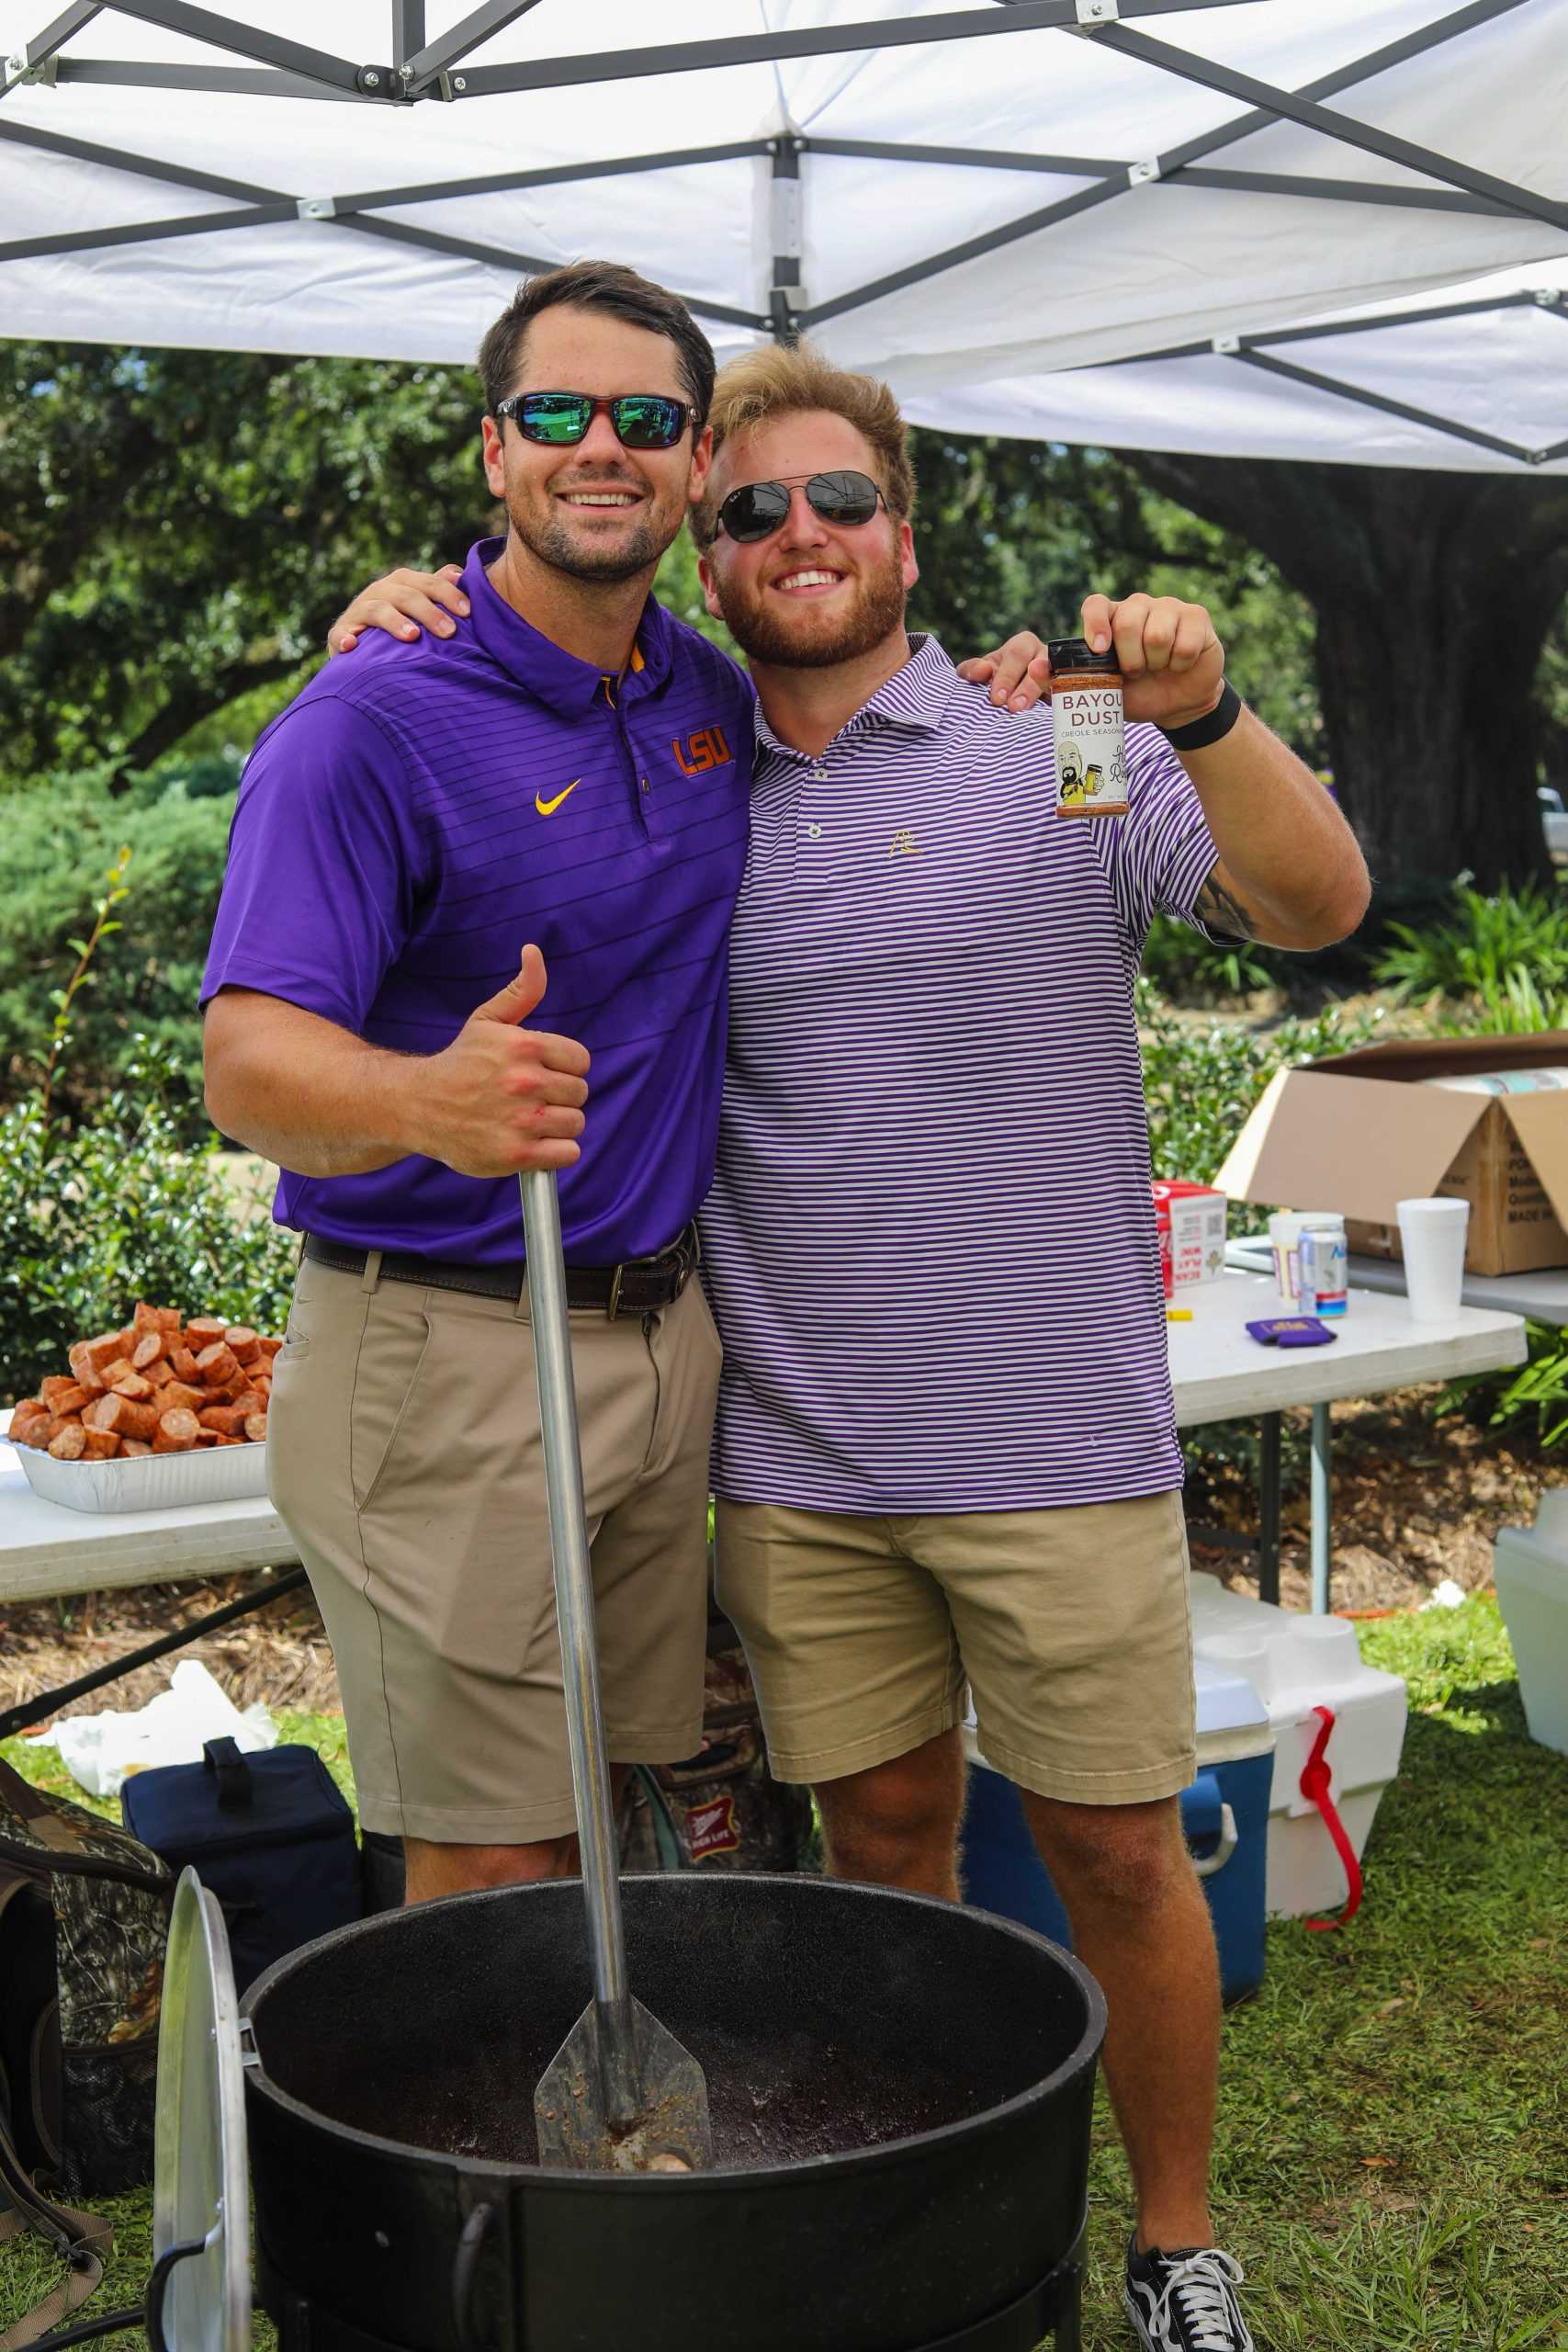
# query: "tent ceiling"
{"type": "Point", "coordinates": [969, 200]}
{"type": "Point", "coordinates": [1475, 379]}
{"type": "Point", "coordinates": [956, 197]}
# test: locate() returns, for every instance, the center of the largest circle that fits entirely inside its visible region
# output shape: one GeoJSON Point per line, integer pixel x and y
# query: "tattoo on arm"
{"type": "Point", "coordinates": [1218, 907]}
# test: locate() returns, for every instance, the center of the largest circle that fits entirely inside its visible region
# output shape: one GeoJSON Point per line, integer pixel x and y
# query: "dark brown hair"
{"type": "Point", "coordinates": [610, 287]}
{"type": "Point", "coordinates": [780, 380]}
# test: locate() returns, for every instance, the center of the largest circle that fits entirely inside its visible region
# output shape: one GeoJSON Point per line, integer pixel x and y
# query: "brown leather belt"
{"type": "Point", "coordinates": [636, 1286]}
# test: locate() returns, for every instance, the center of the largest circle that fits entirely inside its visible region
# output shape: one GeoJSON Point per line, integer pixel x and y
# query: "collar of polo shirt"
{"type": "Point", "coordinates": [558, 678]}
{"type": "Point", "coordinates": [915, 697]}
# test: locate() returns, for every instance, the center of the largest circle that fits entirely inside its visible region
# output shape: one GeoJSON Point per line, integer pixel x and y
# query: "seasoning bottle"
{"type": "Point", "coordinates": [1087, 722]}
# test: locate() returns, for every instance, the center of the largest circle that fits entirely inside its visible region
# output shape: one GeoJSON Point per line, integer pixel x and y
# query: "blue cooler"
{"type": "Point", "coordinates": [1224, 1813]}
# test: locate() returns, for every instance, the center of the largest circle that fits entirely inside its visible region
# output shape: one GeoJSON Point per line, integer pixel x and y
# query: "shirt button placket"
{"type": "Point", "coordinates": [817, 774]}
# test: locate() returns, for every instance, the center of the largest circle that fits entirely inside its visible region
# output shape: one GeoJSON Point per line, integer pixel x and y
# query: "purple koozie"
{"type": "Point", "coordinates": [1291, 1331]}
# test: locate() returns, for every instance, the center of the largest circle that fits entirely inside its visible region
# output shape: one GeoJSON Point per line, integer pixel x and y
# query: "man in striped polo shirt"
{"type": "Point", "coordinates": [946, 1449]}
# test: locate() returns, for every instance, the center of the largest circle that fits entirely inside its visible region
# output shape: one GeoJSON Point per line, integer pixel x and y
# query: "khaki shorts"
{"type": "Point", "coordinates": [404, 1455]}
{"type": "Point", "coordinates": [1071, 1628]}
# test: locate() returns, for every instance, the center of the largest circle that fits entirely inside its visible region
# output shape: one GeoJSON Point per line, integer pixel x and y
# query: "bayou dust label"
{"type": "Point", "coordinates": [1091, 739]}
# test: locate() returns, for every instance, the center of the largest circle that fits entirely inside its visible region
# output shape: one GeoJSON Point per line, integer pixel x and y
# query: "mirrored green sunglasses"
{"type": "Point", "coordinates": [640, 419]}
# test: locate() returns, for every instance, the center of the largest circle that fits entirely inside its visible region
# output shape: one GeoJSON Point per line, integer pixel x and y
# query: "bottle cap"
{"type": "Point", "coordinates": [1076, 653]}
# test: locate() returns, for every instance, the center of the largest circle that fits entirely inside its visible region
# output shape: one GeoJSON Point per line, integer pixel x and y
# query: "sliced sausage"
{"type": "Point", "coordinates": [69, 1442]}
{"type": "Point", "coordinates": [177, 1431]}
{"type": "Point", "coordinates": [215, 1365]}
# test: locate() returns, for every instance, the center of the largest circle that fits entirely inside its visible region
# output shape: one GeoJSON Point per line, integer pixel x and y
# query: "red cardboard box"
{"type": "Point", "coordinates": [1190, 1219]}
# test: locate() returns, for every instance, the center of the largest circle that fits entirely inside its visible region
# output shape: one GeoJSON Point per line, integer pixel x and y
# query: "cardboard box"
{"type": "Point", "coordinates": [1361, 1132]}
{"type": "Point", "coordinates": [1190, 1219]}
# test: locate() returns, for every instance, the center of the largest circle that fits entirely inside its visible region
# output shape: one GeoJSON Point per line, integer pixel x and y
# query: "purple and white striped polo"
{"type": "Point", "coordinates": [929, 1244]}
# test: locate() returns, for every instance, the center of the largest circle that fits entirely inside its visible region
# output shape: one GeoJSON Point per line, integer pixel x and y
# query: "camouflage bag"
{"type": "Point", "coordinates": [721, 1808]}
{"type": "Point", "coordinates": [84, 1918]}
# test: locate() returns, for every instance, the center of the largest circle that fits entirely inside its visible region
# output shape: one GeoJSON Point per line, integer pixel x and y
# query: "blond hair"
{"type": "Point", "coordinates": [778, 381]}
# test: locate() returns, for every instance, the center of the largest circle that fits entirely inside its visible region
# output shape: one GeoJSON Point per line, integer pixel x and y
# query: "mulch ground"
{"type": "Point", "coordinates": [1414, 1501]}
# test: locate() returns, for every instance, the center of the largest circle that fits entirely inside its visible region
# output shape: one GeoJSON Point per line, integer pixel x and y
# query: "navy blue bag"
{"type": "Point", "coordinates": [270, 1834]}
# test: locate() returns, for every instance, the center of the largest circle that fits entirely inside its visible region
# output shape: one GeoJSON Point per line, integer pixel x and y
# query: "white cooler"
{"type": "Point", "coordinates": [1296, 1664]}
{"type": "Point", "coordinates": [1530, 1569]}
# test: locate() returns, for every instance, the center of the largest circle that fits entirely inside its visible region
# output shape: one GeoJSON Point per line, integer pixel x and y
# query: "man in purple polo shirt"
{"type": "Point", "coordinates": [543, 812]}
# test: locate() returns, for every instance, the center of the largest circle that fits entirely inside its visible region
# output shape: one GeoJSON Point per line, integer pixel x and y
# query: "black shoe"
{"type": "Point", "coordinates": [1186, 2301]}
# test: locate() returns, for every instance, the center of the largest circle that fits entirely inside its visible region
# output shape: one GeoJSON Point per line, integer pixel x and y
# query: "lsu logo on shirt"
{"type": "Point", "coordinates": [707, 748]}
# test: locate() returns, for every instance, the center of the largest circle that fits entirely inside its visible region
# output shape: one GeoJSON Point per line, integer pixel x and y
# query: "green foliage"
{"type": "Point", "coordinates": [1202, 1081]}
{"type": "Point", "coordinates": [54, 833]}
{"type": "Point", "coordinates": [118, 1210]}
{"type": "Point", "coordinates": [181, 527]}
{"type": "Point", "coordinates": [125, 1206]}
{"type": "Point", "coordinates": [1535, 1398]}
{"type": "Point", "coordinates": [1502, 955]}
{"type": "Point", "coordinates": [1190, 969]}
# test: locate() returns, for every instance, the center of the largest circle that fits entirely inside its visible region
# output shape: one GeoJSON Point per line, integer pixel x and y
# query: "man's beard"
{"type": "Point", "coordinates": [551, 542]}
{"type": "Point", "coordinates": [768, 636]}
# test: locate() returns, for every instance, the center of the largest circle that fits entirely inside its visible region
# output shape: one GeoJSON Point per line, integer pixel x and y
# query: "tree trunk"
{"type": "Point", "coordinates": [1433, 595]}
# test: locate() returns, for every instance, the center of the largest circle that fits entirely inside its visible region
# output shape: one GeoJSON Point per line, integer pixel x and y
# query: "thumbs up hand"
{"type": "Point", "coordinates": [500, 1098]}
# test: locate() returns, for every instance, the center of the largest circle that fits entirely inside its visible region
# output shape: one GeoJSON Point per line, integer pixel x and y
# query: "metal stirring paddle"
{"type": "Point", "coordinates": [621, 2094]}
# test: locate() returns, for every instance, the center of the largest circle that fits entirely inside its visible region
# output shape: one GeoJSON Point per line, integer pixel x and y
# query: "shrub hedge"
{"type": "Point", "coordinates": [53, 835]}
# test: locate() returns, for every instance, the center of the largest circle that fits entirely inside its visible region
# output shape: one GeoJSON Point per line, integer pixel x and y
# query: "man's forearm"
{"type": "Point", "coordinates": [1290, 873]}
{"type": "Point", "coordinates": [305, 1094]}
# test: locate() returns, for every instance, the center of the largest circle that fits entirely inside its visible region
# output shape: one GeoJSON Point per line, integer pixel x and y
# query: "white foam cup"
{"type": "Point", "coordinates": [1431, 1235]}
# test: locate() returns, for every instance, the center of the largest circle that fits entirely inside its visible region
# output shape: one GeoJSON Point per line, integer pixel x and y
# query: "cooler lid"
{"type": "Point", "coordinates": [200, 2187]}
{"type": "Point", "coordinates": [1226, 1701]}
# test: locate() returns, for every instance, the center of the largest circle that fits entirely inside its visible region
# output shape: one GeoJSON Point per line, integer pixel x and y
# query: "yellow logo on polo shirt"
{"type": "Point", "coordinates": [548, 808]}
{"type": "Point", "coordinates": [903, 843]}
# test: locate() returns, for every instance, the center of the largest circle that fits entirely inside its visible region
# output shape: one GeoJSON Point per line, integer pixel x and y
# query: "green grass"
{"type": "Point", "coordinates": [1392, 2161]}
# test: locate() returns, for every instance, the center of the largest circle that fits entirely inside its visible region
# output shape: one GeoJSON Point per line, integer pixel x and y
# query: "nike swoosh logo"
{"type": "Point", "coordinates": [548, 808]}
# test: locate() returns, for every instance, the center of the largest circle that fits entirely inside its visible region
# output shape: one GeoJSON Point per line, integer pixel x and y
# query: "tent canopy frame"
{"type": "Point", "coordinates": [421, 70]}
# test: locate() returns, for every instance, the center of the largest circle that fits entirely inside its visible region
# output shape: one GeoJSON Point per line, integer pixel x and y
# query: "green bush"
{"type": "Point", "coordinates": [1532, 1399]}
{"type": "Point", "coordinates": [1502, 957]}
{"type": "Point", "coordinates": [1190, 969]}
{"type": "Point", "coordinates": [118, 1210]}
{"type": "Point", "coordinates": [54, 833]}
{"type": "Point", "coordinates": [1200, 1081]}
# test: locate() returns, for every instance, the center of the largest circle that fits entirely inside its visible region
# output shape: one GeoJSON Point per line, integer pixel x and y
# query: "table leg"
{"type": "Point", "coordinates": [1322, 1506]}
{"type": "Point", "coordinates": [1269, 1507]}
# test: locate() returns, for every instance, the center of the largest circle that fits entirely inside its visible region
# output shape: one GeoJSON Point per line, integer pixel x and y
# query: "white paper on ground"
{"type": "Point", "coordinates": [100, 1751]}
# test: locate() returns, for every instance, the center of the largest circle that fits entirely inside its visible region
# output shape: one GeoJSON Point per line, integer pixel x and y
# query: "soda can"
{"type": "Point", "coordinates": [1324, 1270]}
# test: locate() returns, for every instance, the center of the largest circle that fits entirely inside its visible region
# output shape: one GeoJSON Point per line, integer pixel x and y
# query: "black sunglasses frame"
{"type": "Point", "coordinates": [681, 412]}
{"type": "Point", "coordinates": [820, 497]}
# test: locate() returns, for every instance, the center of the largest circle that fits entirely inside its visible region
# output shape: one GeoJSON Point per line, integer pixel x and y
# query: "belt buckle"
{"type": "Point", "coordinates": [613, 1308]}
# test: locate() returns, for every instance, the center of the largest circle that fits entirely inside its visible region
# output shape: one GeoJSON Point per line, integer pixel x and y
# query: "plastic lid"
{"type": "Point", "coordinates": [1076, 653]}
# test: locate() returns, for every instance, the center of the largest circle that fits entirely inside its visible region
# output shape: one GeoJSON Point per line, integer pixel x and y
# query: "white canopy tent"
{"type": "Point", "coordinates": [1474, 380]}
{"type": "Point", "coordinates": [969, 200]}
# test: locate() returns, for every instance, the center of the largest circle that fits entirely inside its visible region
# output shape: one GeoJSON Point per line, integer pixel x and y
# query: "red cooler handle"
{"type": "Point", "coordinates": [1314, 1787]}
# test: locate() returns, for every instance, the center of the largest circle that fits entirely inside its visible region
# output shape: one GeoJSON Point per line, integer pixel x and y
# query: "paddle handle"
{"type": "Point", "coordinates": [580, 1657]}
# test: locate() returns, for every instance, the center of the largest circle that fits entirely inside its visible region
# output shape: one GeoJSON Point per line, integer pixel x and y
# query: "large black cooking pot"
{"type": "Point", "coordinates": [900, 2093]}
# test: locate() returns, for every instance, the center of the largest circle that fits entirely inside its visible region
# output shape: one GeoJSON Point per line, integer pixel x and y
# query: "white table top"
{"type": "Point", "coordinates": [46, 1549]}
{"type": "Point", "coordinates": [1218, 1373]}
{"type": "Point", "coordinates": [1543, 1295]}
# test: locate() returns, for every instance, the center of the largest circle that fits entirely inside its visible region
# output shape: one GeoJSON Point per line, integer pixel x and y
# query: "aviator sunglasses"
{"type": "Point", "coordinates": [758, 508]}
{"type": "Point", "coordinates": [640, 419]}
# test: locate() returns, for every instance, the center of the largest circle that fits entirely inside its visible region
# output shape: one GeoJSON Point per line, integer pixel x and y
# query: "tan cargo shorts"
{"type": "Point", "coordinates": [1071, 1628]}
{"type": "Point", "coordinates": [404, 1455]}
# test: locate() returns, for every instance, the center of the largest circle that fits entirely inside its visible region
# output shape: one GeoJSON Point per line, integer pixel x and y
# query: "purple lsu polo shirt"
{"type": "Point", "coordinates": [420, 812]}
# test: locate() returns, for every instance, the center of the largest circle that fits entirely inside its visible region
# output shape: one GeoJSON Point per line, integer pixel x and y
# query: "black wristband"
{"type": "Point", "coordinates": [1212, 730]}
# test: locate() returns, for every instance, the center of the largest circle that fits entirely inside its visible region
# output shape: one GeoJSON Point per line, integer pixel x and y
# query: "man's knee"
{"type": "Point", "coordinates": [912, 1799]}
{"type": "Point", "coordinates": [1133, 1857]}
{"type": "Point", "coordinates": [435, 1870]}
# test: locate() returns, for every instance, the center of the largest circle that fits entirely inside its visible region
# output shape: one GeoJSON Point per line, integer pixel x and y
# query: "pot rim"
{"type": "Point", "coordinates": [794, 2169]}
